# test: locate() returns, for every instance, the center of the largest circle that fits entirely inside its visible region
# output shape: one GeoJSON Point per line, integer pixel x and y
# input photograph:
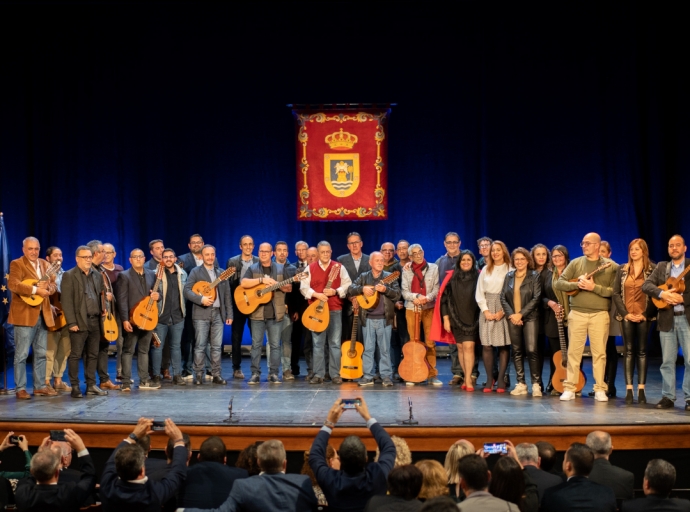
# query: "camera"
{"type": "Point", "coordinates": [349, 403]}
{"type": "Point", "coordinates": [14, 440]}
{"type": "Point", "coordinates": [158, 425]}
{"type": "Point", "coordinates": [57, 435]}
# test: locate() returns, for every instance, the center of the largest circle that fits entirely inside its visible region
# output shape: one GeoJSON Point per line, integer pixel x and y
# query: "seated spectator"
{"type": "Point", "coordinates": [6, 493]}
{"type": "Point", "coordinates": [247, 459]}
{"type": "Point", "coordinates": [549, 459]}
{"type": "Point", "coordinates": [403, 455]}
{"type": "Point", "coordinates": [333, 461]}
{"type": "Point", "coordinates": [124, 484]}
{"type": "Point", "coordinates": [404, 485]}
{"type": "Point", "coordinates": [210, 480]}
{"type": "Point", "coordinates": [439, 504]}
{"type": "Point", "coordinates": [528, 457]}
{"type": "Point", "coordinates": [474, 481]}
{"type": "Point", "coordinates": [434, 479]}
{"type": "Point", "coordinates": [152, 463]}
{"type": "Point", "coordinates": [23, 445]}
{"type": "Point", "coordinates": [456, 452]}
{"type": "Point", "coordinates": [272, 490]}
{"type": "Point", "coordinates": [508, 483]}
{"type": "Point", "coordinates": [41, 493]}
{"type": "Point", "coordinates": [603, 472]}
{"type": "Point", "coordinates": [158, 473]}
{"type": "Point", "coordinates": [658, 482]}
{"type": "Point", "coordinates": [578, 493]}
{"type": "Point", "coordinates": [351, 488]}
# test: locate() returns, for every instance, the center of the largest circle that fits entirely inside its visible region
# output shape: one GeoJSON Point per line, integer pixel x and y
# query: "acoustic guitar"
{"type": "Point", "coordinates": [317, 316]}
{"type": "Point", "coordinates": [677, 283]}
{"type": "Point", "coordinates": [209, 289]}
{"type": "Point", "coordinates": [35, 300]}
{"type": "Point", "coordinates": [371, 302]}
{"type": "Point", "coordinates": [145, 314]}
{"type": "Point", "coordinates": [110, 330]}
{"type": "Point", "coordinates": [601, 267]}
{"type": "Point", "coordinates": [560, 361]}
{"type": "Point", "coordinates": [414, 366]}
{"type": "Point", "coordinates": [351, 365]}
{"type": "Point", "coordinates": [155, 340]}
{"type": "Point", "coordinates": [58, 316]}
{"type": "Point", "coordinates": [248, 299]}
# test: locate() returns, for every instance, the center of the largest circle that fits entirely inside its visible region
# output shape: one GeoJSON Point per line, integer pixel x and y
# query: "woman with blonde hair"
{"type": "Point", "coordinates": [456, 452]}
{"type": "Point", "coordinates": [434, 482]}
{"type": "Point", "coordinates": [403, 455]}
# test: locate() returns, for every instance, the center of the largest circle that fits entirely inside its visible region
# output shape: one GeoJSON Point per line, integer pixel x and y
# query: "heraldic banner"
{"type": "Point", "coordinates": [342, 164]}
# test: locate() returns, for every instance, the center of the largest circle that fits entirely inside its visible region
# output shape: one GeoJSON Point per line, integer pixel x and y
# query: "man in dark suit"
{"type": "Point", "coordinates": [133, 285]}
{"type": "Point", "coordinates": [82, 287]}
{"type": "Point", "coordinates": [209, 481]}
{"type": "Point", "coordinates": [351, 487]}
{"type": "Point", "coordinates": [124, 484]}
{"type": "Point", "coordinates": [528, 456]}
{"type": "Point", "coordinates": [579, 493]}
{"type": "Point", "coordinates": [603, 472]}
{"type": "Point", "coordinates": [356, 263]}
{"type": "Point", "coordinates": [659, 479]}
{"type": "Point", "coordinates": [241, 263]}
{"type": "Point", "coordinates": [300, 337]}
{"type": "Point", "coordinates": [156, 249]}
{"type": "Point", "coordinates": [272, 489]}
{"type": "Point", "coordinates": [41, 493]}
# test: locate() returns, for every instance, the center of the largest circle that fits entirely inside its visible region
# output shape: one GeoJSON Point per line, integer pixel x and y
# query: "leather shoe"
{"type": "Point", "coordinates": [46, 391]}
{"type": "Point", "coordinates": [109, 385]}
{"type": "Point", "coordinates": [198, 379]}
{"type": "Point", "coordinates": [22, 395]}
{"type": "Point", "coordinates": [665, 403]}
{"type": "Point", "coordinates": [219, 380]}
{"type": "Point", "coordinates": [95, 390]}
{"type": "Point", "coordinates": [76, 393]}
{"type": "Point", "coordinates": [687, 405]}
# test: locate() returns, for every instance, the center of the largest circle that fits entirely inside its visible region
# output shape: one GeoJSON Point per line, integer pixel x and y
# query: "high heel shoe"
{"type": "Point", "coordinates": [489, 387]}
{"type": "Point", "coordinates": [641, 397]}
{"type": "Point", "coordinates": [629, 396]}
{"type": "Point", "coordinates": [463, 387]}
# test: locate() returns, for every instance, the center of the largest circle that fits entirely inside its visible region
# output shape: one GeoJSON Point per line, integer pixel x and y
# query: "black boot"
{"type": "Point", "coordinates": [641, 397]}
{"type": "Point", "coordinates": [629, 396]}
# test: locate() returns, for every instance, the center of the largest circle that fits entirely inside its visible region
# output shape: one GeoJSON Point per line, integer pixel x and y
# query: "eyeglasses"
{"type": "Point", "coordinates": [484, 246]}
{"type": "Point", "coordinates": [140, 257]}
{"type": "Point", "coordinates": [354, 243]}
{"type": "Point", "coordinates": [451, 242]}
{"type": "Point", "coordinates": [416, 253]}
{"type": "Point", "coordinates": [587, 244]}
{"type": "Point", "coordinates": [109, 252]}
{"type": "Point", "coordinates": [387, 250]}
{"type": "Point", "coordinates": [85, 257]}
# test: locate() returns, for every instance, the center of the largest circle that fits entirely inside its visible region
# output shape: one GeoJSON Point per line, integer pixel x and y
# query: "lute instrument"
{"type": "Point", "coordinates": [351, 365]}
{"type": "Point", "coordinates": [59, 319]}
{"type": "Point", "coordinates": [601, 267]}
{"type": "Point", "coordinates": [248, 299]}
{"type": "Point", "coordinates": [414, 366]}
{"type": "Point", "coordinates": [35, 300]}
{"type": "Point", "coordinates": [560, 360]}
{"type": "Point", "coordinates": [207, 289]}
{"type": "Point", "coordinates": [110, 330]}
{"type": "Point", "coordinates": [677, 283]}
{"type": "Point", "coordinates": [317, 316]}
{"type": "Point", "coordinates": [145, 314]}
{"type": "Point", "coordinates": [371, 302]}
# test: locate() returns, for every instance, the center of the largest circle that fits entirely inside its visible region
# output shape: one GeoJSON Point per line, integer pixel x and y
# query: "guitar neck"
{"type": "Point", "coordinates": [683, 273]}
{"type": "Point", "coordinates": [331, 278]}
{"type": "Point", "coordinates": [275, 286]}
{"type": "Point", "coordinates": [390, 278]}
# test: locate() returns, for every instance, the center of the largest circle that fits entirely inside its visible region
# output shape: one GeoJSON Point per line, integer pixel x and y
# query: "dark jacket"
{"type": "Point", "coordinates": [618, 479]}
{"type": "Point", "coordinates": [579, 494]}
{"type": "Point", "coordinates": [530, 295]}
{"type": "Point", "coordinates": [73, 296]}
{"type": "Point", "coordinates": [549, 294]}
{"type": "Point", "coordinates": [236, 262]}
{"type": "Point", "coordinates": [208, 484]}
{"type": "Point", "coordinates": [200, 312]}
{"type": "Point", "coordinates": [661, 273]}
{"type": "Point", "coordinates": [346, 261]}
{"type": "Point", "coordinates": [390, 296]}
{"type": "Point", "coordinates": [619, 294]}
{"type": "Point", "coordinates": [655, 503]}
{"type": "Point", "coordinates": [458, 302]}
{"type": "Point", "coordinates": [129, 291]}
{"type": "Point", "coordinates": [542, 479]}
{"type": "Point", "coordinates": [277, 273]}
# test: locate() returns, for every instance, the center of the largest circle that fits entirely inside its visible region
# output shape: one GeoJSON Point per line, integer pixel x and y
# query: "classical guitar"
{"type": "Point", "coordinates": [58, 316]}
{"type": "Point", "coordinates": [35, 300]}
{"type": "Point", "coordinates": [317, 316]}
{"type": "Point", "coordinates": [155, 340]}
{"type": "Point", "coordinates": [371, 302]}
{"type": "Point", "coordinates": [145, 314]}
{"type": "Point", "coordinates": [351, 365]}
{"type": "Point", "coordinates": [414, 366]}
{"type": "Point", "coordinates": [677, 283]}
{"type": "Point", "coordinates": [560, 360]}
{"type": "Point", "coordinates": [248, 299]}
{"type": "Point", "coordinates": [601, 267]}
{"type": "Point", "coordinates": [110, 331]}
{"type": "Point", "coordinates": [209, 289]}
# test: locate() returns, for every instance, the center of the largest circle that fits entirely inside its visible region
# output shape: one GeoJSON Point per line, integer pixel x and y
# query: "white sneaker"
{"type": "Point", "coordinates": [520, 389]}
{"type": "Point", "coordinates": [567, 395]}
{"type": "Point", "coordinates": [600, 396]}
{"type": "Point", "coordinates": [408, 383]}
{"type": "Point", "coordinates": [536, 390]}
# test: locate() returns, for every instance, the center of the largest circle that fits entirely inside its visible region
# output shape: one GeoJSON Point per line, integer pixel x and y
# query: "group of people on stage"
{"type": "Point", "coordinates": [504, 302]}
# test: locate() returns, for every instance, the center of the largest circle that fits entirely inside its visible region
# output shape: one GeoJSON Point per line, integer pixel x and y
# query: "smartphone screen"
{"type": "Point", "coordinates": [57, 435]}
{"type": "Point", "coordinates": [494, 448]}
{"type": "Point", "coordinates": [158, 425]}
{"type": "Point", "coordinates": [349, 403]}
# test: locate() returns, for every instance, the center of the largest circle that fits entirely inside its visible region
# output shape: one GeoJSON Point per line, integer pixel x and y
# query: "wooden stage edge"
{"type": "Point", "coordinates": [625, 437]}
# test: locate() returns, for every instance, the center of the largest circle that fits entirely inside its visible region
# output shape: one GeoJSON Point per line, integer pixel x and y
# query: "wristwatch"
{"type": "Point", "coordinates": [133, 437]}
{"type": "Point", "coordinates": [329, 424]}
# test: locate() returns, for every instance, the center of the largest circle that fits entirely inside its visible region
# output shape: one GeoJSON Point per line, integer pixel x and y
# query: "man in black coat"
{"type": "Point", "coordinates": [579, 493]}
{"type": "Point", "coordinates": [659, 479]}
{"type": "Point", "coordinates": [603, 472]}
{"type": "Point", "coordinates": [528, 456]}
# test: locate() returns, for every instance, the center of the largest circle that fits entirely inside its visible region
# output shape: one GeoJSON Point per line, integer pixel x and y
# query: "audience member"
{"type": "Point", "coordinates": [528, 457]}
{"type": "Point", "coordinates": [456, 452]}
{"type": "Point", "coordinates": [124, 484]}
{"type": "Point", "coordinates": [23, 445]}
{"type": "Point", "coordinates": [6, 493]}
{"type": "Point", "coordinates": [247, 459]}
{"type": "Point", "coordinates": [404, 485]}
{"type": "Point", "coordinates": [159, 473]}
{"type": "Point", "coordinates": [434, 481]}
{"type": "Point", "coordinates": [272, 489]}
{"type": "Point", "coordinates": [439, 504]}
{"type": "Point", "coordinates": [549, 459]}
{"type": "Point", "coordinates": [659, 479]}
{"type": "Point", "coordinates": [508, 483]}
{"type": "Point", "coordinates": [403, 455]}
{"type": "Point", "coordinates": [333, 461]}
{"type": "Point", "coordinates": [152, 463]}
{"type": "Point", "coordinates": [351, 488]}
{"type": "Point", "coordinates": [210, 480]}
{"type": "Point", "coordinates": [578, 493]}
{"type": "Point", "coordinates": [41, 492]}
{"type": "Point", "coordinates": [474, 481]}
{"type": "Point", "coordinates": [603, 472]}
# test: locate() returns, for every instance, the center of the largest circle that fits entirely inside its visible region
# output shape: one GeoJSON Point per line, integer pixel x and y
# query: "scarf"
{"type": "Point", "coordinates": [418, 284]}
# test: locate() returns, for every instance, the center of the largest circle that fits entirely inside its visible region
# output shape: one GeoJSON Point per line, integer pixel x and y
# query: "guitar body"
{"type": "Point", "coordinates": [110, 331]}
{"type": "Point", "coordinates": [673, 282]}
{"type": "Point", "coordinates": [59, 317]}
{"type": "Point", "coordinates": [572, 293]}
{"type": "Point", "coordinates": [317, 316]}
{"type": "Point", "coordinates": [248, 299]}
{"type": "Point", "coordinates": [413, 367]}
{"type": "Point", "coordinates": [204, 288]}
{"type": "Point", "coordinates": [31, 300]}
{"type": "Point", "coordinates": [368, 302]}
{"type": "Point", "coordinates": [145, 314]}
{"type": "Point", "coordinates": [560, 374]}
{"type": "Point", "coordinates": [351, 365]}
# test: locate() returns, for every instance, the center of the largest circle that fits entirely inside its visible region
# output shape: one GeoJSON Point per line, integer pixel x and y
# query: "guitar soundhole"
{"type": "Point", "coordinates": [319, 309]}
{"type": "Point", "coordinates": [351, 354]}
{"type": "Point", "coordinates": [316, 319]}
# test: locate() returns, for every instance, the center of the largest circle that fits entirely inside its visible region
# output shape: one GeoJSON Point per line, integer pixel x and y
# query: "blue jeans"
{"type": "Point", "coordinates": [670, 341]}
{"type": "Point", "coordinates": [331, 338]}
{"type": "Point", "coordinates": [377, 334]}
{"type": "Point", "coordinates": [273, 329]}
{"type": "Point", "coordinates": [209, 332]}
{"type": "Point", "coordinates": [175, 331]}
{"type": "Point", "coordinates": [285, 343]}
{"type": "Point", "coordinates": [25, 338]}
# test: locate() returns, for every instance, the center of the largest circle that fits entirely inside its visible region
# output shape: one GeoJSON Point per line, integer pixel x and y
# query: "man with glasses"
{"type": "Point", "coordinates": [299, 304]}
{"type": "Point", "coordinates": [81, 301]}
{"type": "Point", "coordinates": [113, 270]}
{"type": "Point", "coordinates": [484, 245]}
{"type": "Point", "coordinates": [132, 286]}
{"type": "Point", "coordinates": [673, 321]}
{"type": "Point", "coordinates": [589, 314]}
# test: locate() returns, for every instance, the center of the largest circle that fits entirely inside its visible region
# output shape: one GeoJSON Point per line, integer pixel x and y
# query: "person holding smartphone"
{"type": "Point", "coordinates": [21, 442]}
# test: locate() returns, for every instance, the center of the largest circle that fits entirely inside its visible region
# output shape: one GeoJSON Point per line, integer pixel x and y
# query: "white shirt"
{"type": "Point", "coordinates": [345, 281]}
{"type": "Point", "coordinates": [490, 283]}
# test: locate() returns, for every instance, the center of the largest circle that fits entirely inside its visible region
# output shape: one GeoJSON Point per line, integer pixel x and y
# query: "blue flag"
{"type": "Point", "coordinates": [5, 294]}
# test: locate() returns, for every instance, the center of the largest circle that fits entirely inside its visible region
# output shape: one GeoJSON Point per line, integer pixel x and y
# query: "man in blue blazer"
{"type": "Point", "coordinates": [659, 479]}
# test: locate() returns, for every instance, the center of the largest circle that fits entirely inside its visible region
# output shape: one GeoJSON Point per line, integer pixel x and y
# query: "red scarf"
{"type": "Point", "coordinates": [418, 284]}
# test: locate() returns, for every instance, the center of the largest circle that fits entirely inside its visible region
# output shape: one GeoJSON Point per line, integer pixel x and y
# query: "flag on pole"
{"type": "Point", "coordinates": [5, 294]}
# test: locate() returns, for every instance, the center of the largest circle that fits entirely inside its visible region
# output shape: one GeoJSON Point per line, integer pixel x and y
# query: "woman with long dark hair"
{"type": "Point", "coordinates": [541, 256]}
{"type": "Point", "coordinates": [508, 481]}
{"type": "Point", "coordinates": [460, 311]}
{"type": "Point", "coordinates": [635, 312]}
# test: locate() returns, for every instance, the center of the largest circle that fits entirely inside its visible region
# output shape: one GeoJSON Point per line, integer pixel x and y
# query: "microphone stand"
{"type": "Point", "coordinates": [410, 420]}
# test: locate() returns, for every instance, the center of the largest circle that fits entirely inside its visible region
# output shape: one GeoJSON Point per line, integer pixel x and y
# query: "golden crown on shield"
{"type": "Point", "coordinates": [341, 140]}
